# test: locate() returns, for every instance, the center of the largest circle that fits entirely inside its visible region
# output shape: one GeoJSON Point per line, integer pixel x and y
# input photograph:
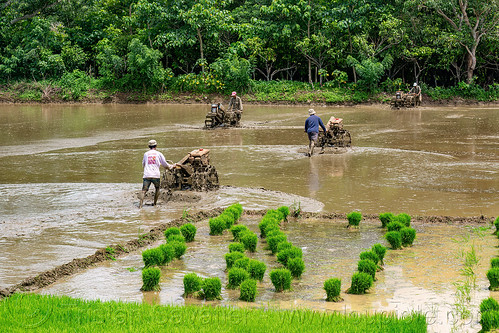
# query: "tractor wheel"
{"type": "Point", "coordinates": [168, 180]}
{"type": "Point", "coordinates": [347, 139]}
{"type": "Point", "coordinates": [212, 177]}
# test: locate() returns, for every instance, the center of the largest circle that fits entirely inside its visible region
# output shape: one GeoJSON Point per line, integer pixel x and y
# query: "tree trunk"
{"type": "Point", "coordinates": [200, 37]}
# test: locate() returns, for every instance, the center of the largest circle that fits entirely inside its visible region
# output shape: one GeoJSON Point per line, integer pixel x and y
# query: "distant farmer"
{"type": "Point", "coordinates": [236, 105]}
{"type": "Point", "coordinates": [151, 162]}
{"type": "Point", "coordinates": [416, 90]}
{"type": "Point", "coordinates": [312, 128]}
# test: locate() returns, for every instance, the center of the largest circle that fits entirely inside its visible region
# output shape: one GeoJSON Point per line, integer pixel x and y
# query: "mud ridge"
{"type": "Point", "coordinates": [76, 265]}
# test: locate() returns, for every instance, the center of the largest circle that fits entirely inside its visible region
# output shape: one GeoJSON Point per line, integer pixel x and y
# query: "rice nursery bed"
{"type": "Point", "coordinates": [426, 277]}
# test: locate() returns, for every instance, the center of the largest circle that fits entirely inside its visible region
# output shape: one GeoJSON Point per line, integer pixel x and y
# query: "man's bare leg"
{"type": "Point", "coordinates": [141, 197]}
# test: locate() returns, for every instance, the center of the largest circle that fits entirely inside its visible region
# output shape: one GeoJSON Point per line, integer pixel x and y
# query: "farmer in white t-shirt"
{"type": "Point", "coordinates": [151, 162]}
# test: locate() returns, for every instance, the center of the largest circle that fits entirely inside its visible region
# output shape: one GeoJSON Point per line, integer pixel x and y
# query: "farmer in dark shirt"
{"type": "Point", "coordinates": [312, 128]}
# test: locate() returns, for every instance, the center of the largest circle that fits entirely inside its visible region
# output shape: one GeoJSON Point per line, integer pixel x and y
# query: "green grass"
{"type": "Point", "coordinates": [31, 312]}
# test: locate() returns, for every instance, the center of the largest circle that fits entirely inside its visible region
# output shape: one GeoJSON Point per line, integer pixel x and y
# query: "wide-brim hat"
{"type": "Point", "coordinates": [311, 111]}
{"type": "Point", "coordinates": [152, 143]}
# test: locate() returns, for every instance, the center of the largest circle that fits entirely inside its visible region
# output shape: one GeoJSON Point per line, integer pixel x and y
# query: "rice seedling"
{"type": "Point", "coordinates": [192, 284]}
{"type": "Point", "coordinates": [281, 279]}
{"type": "Point", "coordinates": [188, 231]}
{"type": "Point", "coordinates": [249, 240]}
{"type": "Point", "coordinates": [236, 247]}
{"type": "Point", "coordinates": [172, 231]}
{"type": "Point", "coordinates": [230, 258]}
{"type": "Point", "coordinates": [150, 279]}
{"type": "Point", "coordinates": [256, 269]}
{"type": "Point", "coordinates": [236, 276]}
{"type": "Point", "coordinates": [296, 266]}
{"type": "Point", "coordinates": [354, 219]}
{"type": "Point", "coordinates": [333, 288]}
{"type": "Point", "coordinates": [152, 257]}
{"type": "Point", "coordinates": [408, 235]}
{"type": "Point", "coordinates": [236, 230]}
{"type": "Point", "coordinates": [212, 288]}
{"type": "Point", "coordinates": [386, 218]}
{"type": "Point", "coordinates": [248, 290]}
{"type": "Point", "coordinates": [394, 238]}
{"type": "Point", "coordinates": [360, 283]}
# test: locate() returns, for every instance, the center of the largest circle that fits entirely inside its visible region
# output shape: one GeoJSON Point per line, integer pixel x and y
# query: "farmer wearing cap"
{"type": "Point", "coordinates": [236, 105]}
{"type": "Point", "coordinates": [151, 162]}
{"type": "Point", "coordinates": [416, 90]}
{"type": "Point", "coordinates": [312, 128]}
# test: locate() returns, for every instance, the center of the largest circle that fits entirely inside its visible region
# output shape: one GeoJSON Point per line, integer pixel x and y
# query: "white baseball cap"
{"type": "Point", "coordinates": [152, 143]}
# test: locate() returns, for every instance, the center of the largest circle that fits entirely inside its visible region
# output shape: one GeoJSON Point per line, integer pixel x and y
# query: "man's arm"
{"type": "Point", "coordinates": [164, 163]}
{"type": "Point", "coordinates": [322, 125]}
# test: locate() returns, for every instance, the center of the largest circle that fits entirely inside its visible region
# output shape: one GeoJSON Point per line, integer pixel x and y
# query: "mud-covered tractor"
{"type": "Point", "coordinates": [336, 136]}
{"type": "Point", "coordinates": [193, 172]}
{"type": "Point", "coordinates": [218, 117]}
{"type": "Point", "coordinates": [403, 100]}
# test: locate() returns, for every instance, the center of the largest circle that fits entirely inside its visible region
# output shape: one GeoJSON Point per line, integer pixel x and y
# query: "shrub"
{"type": "Point", "coordinates": [192, 283]}
{"type": "Point", "coordinates": [380, 251]}
{"type": "Point", "coordinates": [242, 263]}
{"type": "Point", "coordinates": [273, 241]}
{"type": "Point", "coordinates": [360, 283]}
{"type": "Point", "coordinates": [494, 262]}
{"type": "Point", "coordinates": [281, 279]}
{"type": "Point", "coordinates": [284, 210]}
{"type": "Point", "coordinates": [354, 218]}
{"type": "Point", "coordinates": [227, 219]}
{"type": "Point", "coordinates": [179, 248]}
{"type": "Point", "coordinates": [212, 288]}
{"type": "Point", "coordinates": [404, 218]}
{"type": "Point", "coordinates": [489, 321]}
{"type": "Point", "coordinates": [236, 230]}
{"type": "Point", "coordinates": [150, 279]}
{"type": "Point", "coordinates": [256, 269]}
{"type": "Point", "coordinates": [152, 257]}
{"type": "Point", "coordinates": [408, 235]}
{"type": "Point", "coordinates": [283, 246]}
{"type": "Point", "coordinates": [489, 304]}
{"type": "Point", "coordinates": [369, 255]}
{"type": "Point", "coordinates": [176, 238]}
{"type": "Point", "coordinates": [168, 253]}
{"type": "Point", "coordinates": [496, 223]}
{"type": "Point", "coordinates": [172, 231]}
{"type": "Point", "coordinates": [249, 240]}
{"type": "Point", "coordinates": [285, 255]}
{"type": "Point", "coordinates": [188, 231]}
{"type": "Point", "coordinates": [230, 258]}
{"type": "Point", "coordinates": [236, 247]}
{"type": "Point", "coordinates": [217, 226]}
{"type": "Point", "coordinates": [493, 276]}
{"type": "Point", "coordinates": [395, 226]}
{"type": "Point", "coordinates": [394, 238]}
{"type": "Point", "coordinates": [386, 218]}
{"type": "Point", "coordinates": [273, 230]}
{"type": "Point", "coordinates": [236, 276]}
{"type": "Point", "coordinates": [265, 223]}
{"type": "Point", "coordinates": [332, 288]}
{"type": "Point", "coordinates": [296, 266]}
{"type": "Point", "coordinates": [367, 266]}
{"type": "Point", "coordinates": [248, 290]}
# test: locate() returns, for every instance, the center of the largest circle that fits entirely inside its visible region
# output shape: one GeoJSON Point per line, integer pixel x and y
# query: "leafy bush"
{"type": "Point", "coordinates": [494, 262]}
{"type": "Point", "coordinates": [281, 279]}
{"type": "Point", "coordinates": [380, 251]}
{"type": "Point", "coordinates": [236, 247]}
{"type": "Point", "coordinates": [360, 283]}
{"type": "Point", "coordinates": [273, 230]}
{"type": "Point", "coordinates": [496, 224]}
{"type": "Point", "coordinates": [242, 263]}
{"type": "Point", "coordinates": [332, 288]}
{"type": "Point", "coordinates": [236, 230]}
{"type": "Point", "coordinates": [152, 257]}
{"type": "Point", "coordinates": [404, 218]}
{"type": "Point", "coordinates": [395, 226]}
{"type": "Point", "coordinates": [367, 266]}
{"type": "Point", "coordinates": [256, 269]}
{"type": "Point", "coordinates": [217, 226]}
{"type": "Point", "coordinates": [192, 283]}
{"type": "Point", "coordinates": [394, 238]}
{"type": "Point", "coordinates": [179, 248]}
{"type": "Point", "coordinates": [354, 218]}
{"type": "Point", "coordinates": [150, 279]}
{"type": "Point", "coordinates": [284, 246]}
{"type": "Point", "coordinates": [249, 240]}
{"type": "Point", "coordinates": [285, 255]}
{"type": "Point", "coordinates": [188, 231]}
{"type": "Point", "coordinates": [265, 223]}
{"type": "Point", "coordinates": [233, 71]}
{"type": "Point", "coordinates": [493, 276]}
{"type": "Point", "coordinates": [212, 288]}
{"type": "Point", "coordinates": [386, 218]}
{"type": "Point", "coordinates": [230, 258]}
{"type": "Point", "coordinates": [273, 241]}
{"type": "Point", "coordinates": [168, 253]}
{"type": "Point", "coordinates": [176, 238]}
{"type": "Point", "coordinates": [408, 235]}
{"type": "Point", "coordinates": [284, 210]}
{"type": "Point", "coordinates": [489, 321]}
{"type": "Point", "coordinates": [172, 231]}
{"type": "Point", "coordinates": [369, 255]}
{"type": "Point", "coordinates": [236, 276]}
{"type": "Point", "coordinates": [74, 84]}
{"type": "Point", "coordinates": [296, 266]}
{"type": "Point", "coordinates": [489, 304]}
{"type": "Point", "coordinates": [248, 290]}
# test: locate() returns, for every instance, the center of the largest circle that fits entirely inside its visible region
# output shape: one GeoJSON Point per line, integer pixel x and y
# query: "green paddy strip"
{"type": "Point", "coordinates": [43, 313]}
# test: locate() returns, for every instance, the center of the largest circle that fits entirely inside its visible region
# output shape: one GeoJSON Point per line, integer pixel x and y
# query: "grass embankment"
{"type": "Point", "coordinates": [22, 312]}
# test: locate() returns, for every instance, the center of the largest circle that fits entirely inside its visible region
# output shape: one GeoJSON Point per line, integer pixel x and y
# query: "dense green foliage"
{"type": "Point", "coordinates": [394, 238]}
{"type": "Point", "coordinates": [274, 240]}
{"type": "Point", "coordinates": [152, 257]}
{"type": "Point", "coordinates": [256, 269]}
{"type": "Point", "coordinates": [386, 218]}
{"type": "Point", "coordinates": [408, 236]}
{"type": "Point", "coordinates": [212, 288]}
{"type": "Point", "coordinates": [231, 257]}
{"type": "Point", "coordinates": [248, 290]}
{"type": "Point", "coordinates": [188, 230]}
{"type": "Point", "coordinates": [395, 226]}
{"type": "Point", "coordinates": [64, 314]}
{"type": "Point", "coordinates": [236, 247]}
{"type": "Point", "coordinates": [172, 231]}
{"type": "Point", "coordinates": [236, 276]}
{"type": "Point", "coordinates": [369, 255]}
{"type": "Point", "coordinates": [489, 304]}
{"type": "Point", "coordinates": [367, 266]}
{"type": "Point", "coordinates": [236, 230]}
{"type": "Point", "coordinates": [380, 251]}
{"type": "Point", "coordinates": [404, 218]}
{"type": "Point", "coordinates": [296, 266]}
{"type": "Point", "coordinates": [289, 253]}
{"type": "Point", "coordinates": [192, 283]}
{"type": "Point", "coordinates": [150, 278]}
{"type": "Point", "coordinates": [360, 283]}
{"type": "Point", "coordinates": [493, 276]}
{"type": "Point", "coordinates": [494, 263]}
{"type": "Point", "coordinates": [332, 288]}
{"type": "Point", "coordinates": [249, 239]}
{"type": "Point", "coordinates": [226, 220]}
{"type": "Point", "coordinates": [354, 218]}
{"type": "Point", "coordinates": [281, 279]}
{"type": "Point", "coordinates": [168, 253]}
{"type": "Point", "coordinates": [219, 46]}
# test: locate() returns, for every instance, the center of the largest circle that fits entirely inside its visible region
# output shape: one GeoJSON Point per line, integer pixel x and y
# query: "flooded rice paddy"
{"type": "Point", "coordinates": [69, 177]}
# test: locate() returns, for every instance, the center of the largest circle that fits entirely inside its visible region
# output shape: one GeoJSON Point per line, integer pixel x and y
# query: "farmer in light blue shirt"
{"type": "Point", "coordinates": [312, 128]}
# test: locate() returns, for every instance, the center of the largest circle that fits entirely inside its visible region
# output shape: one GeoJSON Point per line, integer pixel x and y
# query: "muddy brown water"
{"type": "Point", "coordinates": [68, 173]}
